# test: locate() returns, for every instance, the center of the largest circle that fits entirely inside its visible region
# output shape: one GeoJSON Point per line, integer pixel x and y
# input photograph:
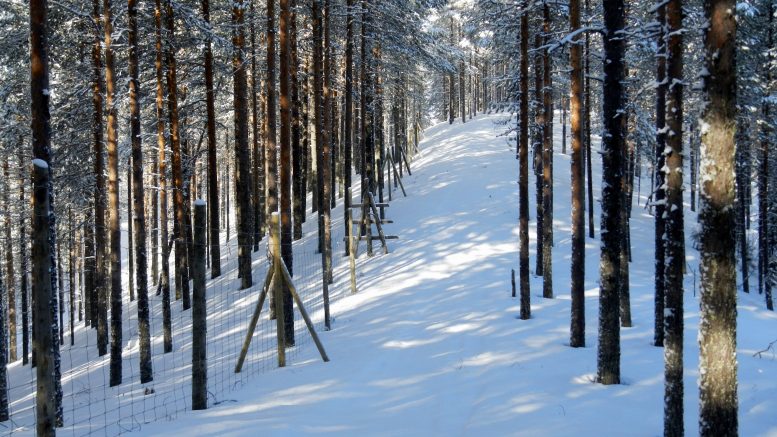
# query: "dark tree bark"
{"type": "Point", "coordinates": [179, 222]}
{"type": "Point", "coordinates": [9, 267]}
{"type": "Point", "coordinates": [46, 405]}
{"type": "Point", "coordinates": [100, 291]}
{"type": "Point", "coordinates": [130, 253]}
{"type": "Point", "coordinates": [674, 235]}
{"type": "Point", "coordinates": [271, 145]}
{"type": "Point", "coordinates": [764, 242]}
{"type": "Point", "coordinates": [718, 406]}
{"type": "Point", "coordinates": [613, 144]}
{"type": "Point", "coordinates": [164, 282]}
{"type": "Point", "coordinates": [547, 162]}
{"type": "Point", "coordinates": [587, 153]}
{"type": "Point", "coordinates": [285, 161]}
{"type": "Point", "coordinates": [577, 336]}
{"type": "Point", "coordinates": [298, 154]}
{"type": "Point", "coordinates": [23, 265]}
{"type": "Point", "coordinates": [41, 148]}
{"type": "Point", "coordinates": [659, 191]}
{"type": "Point", "coordinates": [139, 219]}
{"type": "Point", "coordinates": [114, 227]}
{"type": "Point", "coordinates": [523, 172]}
{"type": "Point", "coordinates": [256, 181]}
{"type": "Point", "coordinates": [242, 154]}
{"type": "Point", "coordinates": [213, 184]}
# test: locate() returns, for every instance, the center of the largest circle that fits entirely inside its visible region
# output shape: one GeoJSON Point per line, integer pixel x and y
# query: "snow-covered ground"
{"type": "Point", "coordinates": [431, 344]}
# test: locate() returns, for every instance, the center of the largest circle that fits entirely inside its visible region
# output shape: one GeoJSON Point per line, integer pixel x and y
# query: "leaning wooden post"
{"type": "Point", "coordinates": [199, 315]}
{"type": "Point", "coordinates": [41, 291]}
{"type": "Point", "coordinates": [278, 287]}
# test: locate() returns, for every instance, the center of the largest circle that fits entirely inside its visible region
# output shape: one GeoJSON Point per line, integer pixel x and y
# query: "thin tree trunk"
{"type": "Point", "coordinates": [659, 191]}
{"type": "Point", "coordinates": [100, 292]}
{"type": "Point", "coordinates": [674, 235]}
{"type": "Point", "coordinates": [718, 403]}
{"type": "Point", "coordinates": [242, 154]}
{"type": "Point", "coordinates": [179, 222]}
{"type": "Point", "coordinates": [9, 266]}
{"type": "Point", "coordinates": [23, 265]}
{"type": "Point", "coordinates": [256, 182]}
{"type": "Point", "coordinates": [164, 282]}
{"type": "Point", "coordinates": [588, 179]}
{"type": "Point", "coordinates": [613, 145]}
{"type": "Point", "coordinates": [213, 184]}
{"type": "Point", "coordinates": [577, 335]}
{"type": "Point", "coordinates": [139, 219]}
{"type": "Point", "coordinates": [523, 172]}
{"type": "Point", "coordinates": [547, 162]}
{"type": "Point", "coordinates": [114, 220]}
{"type": "Point", "coordinates": [271, 154]}
{"type": "Point", "coordinates": [285, 161]}
{"type": "Point", "coordinates": [298, 184]}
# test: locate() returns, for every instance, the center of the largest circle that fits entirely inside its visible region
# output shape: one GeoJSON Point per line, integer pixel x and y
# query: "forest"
{"type": "Point", "coordinates": [187, 185]}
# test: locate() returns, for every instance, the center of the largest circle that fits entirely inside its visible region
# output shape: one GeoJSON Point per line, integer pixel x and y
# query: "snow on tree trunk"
{"type": "Point", "coordinates": [613, 145]}
{"type": "Point", "coordinates": [674, 236]}
{"type": "Point", "coordinates": [717, 326]}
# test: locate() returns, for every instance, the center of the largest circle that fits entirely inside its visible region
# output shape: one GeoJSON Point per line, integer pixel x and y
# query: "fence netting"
{"type": "Point", "coordinates": [92, 407]}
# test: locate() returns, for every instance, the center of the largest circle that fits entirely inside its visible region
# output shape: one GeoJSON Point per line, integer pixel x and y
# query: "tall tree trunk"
{"type": "Point", "coordinates": [587, 153]}
{"type": "Point", "coordinates": [213, 184]}
{"type": "Point", "coordinates": [577, 336]}
{"type": "Point", "coordinates": [9, 267]}
{"type": "Point", "coordinates": [285, 161]}
{"type": "Point", "coordinates": [547, 162]}
{"type": "Point", "coordinates": [537, 146]}
{"type": "Point", "coordinates": [164, 282]}
{"type": "Point", "coordinates": [764, 251]}
{"type": "Point", "coordinates": [523, 172]}
{"type": "Point", "coordinates": [139, 219]}
{"type": "Point", "coordinates": [179, 222]}
{"type": "Point", "coordinates": [114, 220]}
{"type": "Point", "coordinates": [613, 144]}
{"type": "Point", "coordinates": [256, 181]}
{"type": "Point", "coordinates": [659, 199]}
{"type": "Point", "coordinates": [718, 404]}
{"type": "Point", "coordinates": [23, 264]}
{"type": "Point", "coordinates": [674, 236]}
{"type": "Point", "coordinates": [242, 155]}
{"type": "Point", "coordinates": [40, 128]}
{"type": "Point", "coordinates": [271, 153]}
{"type": "Point", "coordinates": [298, 183]}
{"type": "Point", "coordinates": [130, 253]}
{"type": "Point", "coordinates": [100, 291]}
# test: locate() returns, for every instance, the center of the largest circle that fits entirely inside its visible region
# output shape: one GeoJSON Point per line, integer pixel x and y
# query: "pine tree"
{"type": "Point", "coordinates": [718, 317]}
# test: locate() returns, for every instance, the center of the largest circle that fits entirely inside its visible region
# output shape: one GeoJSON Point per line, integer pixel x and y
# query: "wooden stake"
{"type": "Point", "coordinates": [278, 288]}
{"type": "Point", "coordinates": [268, 285]}
{"type": "Point", "coordinates": [302, 311]}
{"type": "Point", "coordinates": [199, 312]}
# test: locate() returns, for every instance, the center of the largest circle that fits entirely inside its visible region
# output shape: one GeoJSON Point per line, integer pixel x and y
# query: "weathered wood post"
{"type": "Point", "coordinates": [41, 291]}
{"type": "Point", "coordinates": [278, 287]}
{"type": "Point", "coordinates": [199, 316]}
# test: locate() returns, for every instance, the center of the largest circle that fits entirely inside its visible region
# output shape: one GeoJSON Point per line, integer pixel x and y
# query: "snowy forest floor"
{"type": "Point", "coordinates": [431, 344]}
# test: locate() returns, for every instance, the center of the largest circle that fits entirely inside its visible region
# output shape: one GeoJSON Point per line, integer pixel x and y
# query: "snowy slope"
{"type": "Point", "coordinates": [431, 344]}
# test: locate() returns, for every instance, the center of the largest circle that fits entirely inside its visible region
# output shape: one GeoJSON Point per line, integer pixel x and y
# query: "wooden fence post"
{"type": "Point", "coordinates": [278, 288]}
{"type": "Point", "coordinates": [41, 290]}
{"type": "Point", "coordinates": [199, 314]}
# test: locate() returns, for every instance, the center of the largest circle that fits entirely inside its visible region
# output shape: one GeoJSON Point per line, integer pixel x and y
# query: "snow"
{"type": "Point", "coordinates": [40, 163]}
{"type": "Point", "coordinates": [199, 202]}
{"type": "Point", "coordinates": [431, 344]}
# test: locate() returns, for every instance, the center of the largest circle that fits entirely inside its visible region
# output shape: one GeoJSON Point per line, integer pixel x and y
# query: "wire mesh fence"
{"type": "Point", "coordinates": [93, 407]}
